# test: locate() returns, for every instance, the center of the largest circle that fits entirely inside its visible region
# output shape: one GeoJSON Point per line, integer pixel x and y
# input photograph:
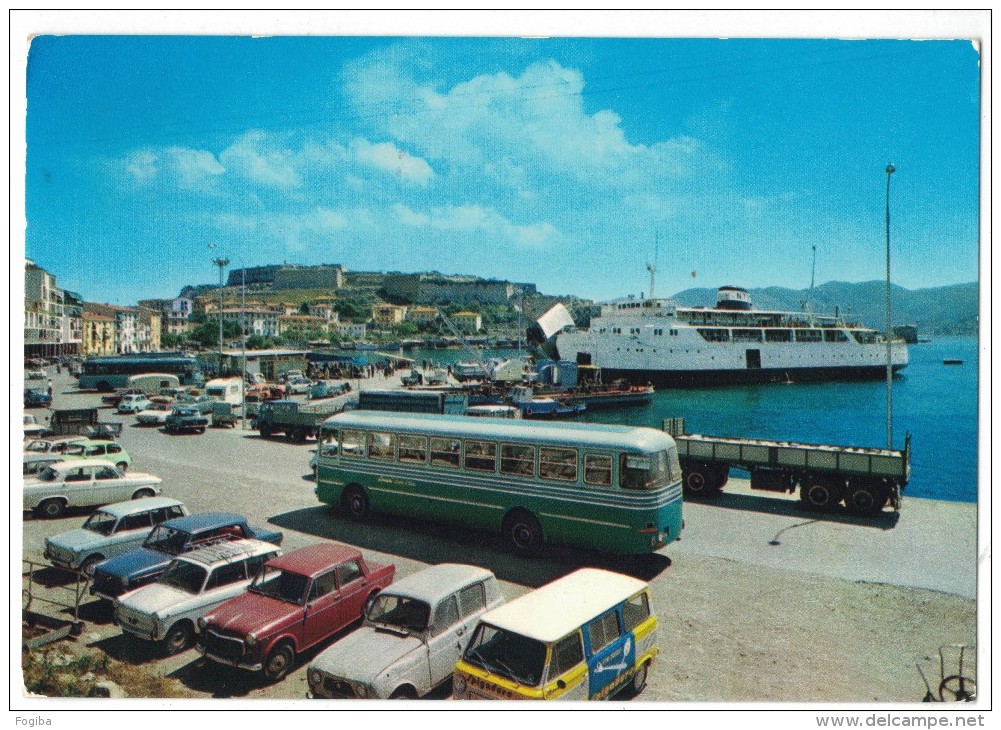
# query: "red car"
{"type": "Point", "coordinates": [297, 601]}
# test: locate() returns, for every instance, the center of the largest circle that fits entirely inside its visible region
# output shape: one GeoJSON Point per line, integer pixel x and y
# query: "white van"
{"type": "Point", "coordinates": [225, 390]}
{"type": "Point", "coordinates": [153, 383]}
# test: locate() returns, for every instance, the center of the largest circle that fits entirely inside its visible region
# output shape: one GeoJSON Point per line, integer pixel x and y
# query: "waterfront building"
{"type": "Point", "coordinates": [352, 331]}
{"type": "Point", "coordinates": [258, 320]}
{"type": "Point", "coordinates": [53, 318]}
{"type": "Point", "coordinates": [421, 314]}
{"type": "Point", "coordinates": [98, 330]}
{"type": "Point", "coordinates": [388, 315]}
{"type": "Point", "coordinates": [468, 322]}
{"type": "Point", "coordinates": [303, 325]}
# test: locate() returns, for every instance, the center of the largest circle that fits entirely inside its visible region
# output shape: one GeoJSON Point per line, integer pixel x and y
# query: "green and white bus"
{"type": "Point", "coordinates": [612, 488]}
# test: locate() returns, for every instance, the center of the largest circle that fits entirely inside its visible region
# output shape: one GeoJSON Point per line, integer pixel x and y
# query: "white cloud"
{"type": "Point", "coordinates": [142, 165]}
{"type": "Point", "coordinates": [388, 157]}
{"type": "Point", "coordinates": [194, 168]}
{"type": "Point", "coordinates": [257, 157]}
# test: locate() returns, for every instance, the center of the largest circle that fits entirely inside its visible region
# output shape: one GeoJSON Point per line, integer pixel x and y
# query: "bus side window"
{"type": "Point", "coordinates": [558, 464]}
{"type": "Point", "coordinates": [517, 460]}
{"type": "Point", "coordinates": [352, 442]}
{"type": "Point", "coordinates": [603, 631]}
{"type": "Point", "coordinates": [481, 455]}
{"type": "Point", "coordinates": [598, 470]}
{"type": "Point", "coordinates": [413, 449]}
{"type": "Point", "coordinates": [381, 446]}
{"type": "Point", "coordinates": [636, 610]}
{"type": "Point", "coordinates": [445, 452]}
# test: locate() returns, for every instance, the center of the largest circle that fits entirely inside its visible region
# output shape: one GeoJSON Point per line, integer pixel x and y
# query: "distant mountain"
{"type": "Point", "coordinates": [944, 310]}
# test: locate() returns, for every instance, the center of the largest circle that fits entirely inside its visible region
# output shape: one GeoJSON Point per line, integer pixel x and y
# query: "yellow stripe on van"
{"type": "Point", "coordinates": [645, 628]}
{"type": "Point", "coordinates": [571, 679]}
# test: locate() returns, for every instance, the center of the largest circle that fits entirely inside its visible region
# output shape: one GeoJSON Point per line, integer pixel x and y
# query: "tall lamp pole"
{"type": "Point", "coordinates": [221, 263]}
{"type": "Point", "coordinates": [890, 169]}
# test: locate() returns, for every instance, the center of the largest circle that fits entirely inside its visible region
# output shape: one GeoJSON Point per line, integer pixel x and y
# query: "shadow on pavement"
{"type": "Point", "coordinates": [434, 543]}
{"type": "Point", "coordinates": [795, 508]}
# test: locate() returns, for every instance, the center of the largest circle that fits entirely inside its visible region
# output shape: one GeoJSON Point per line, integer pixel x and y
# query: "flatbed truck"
{"type": "Point", "coordinates": [865, 480]}
{"type": "Point", "coordinates": [298, 421]}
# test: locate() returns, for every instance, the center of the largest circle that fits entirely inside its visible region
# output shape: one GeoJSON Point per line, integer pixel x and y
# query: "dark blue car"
{"type": "Point", "coordinates": [36, 398]}
{"type": "Point", "coordinates": [144, 565]}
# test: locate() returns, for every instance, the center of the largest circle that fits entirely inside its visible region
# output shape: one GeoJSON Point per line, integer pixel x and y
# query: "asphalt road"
{"type": "Point", "coordinates": [270, 482]}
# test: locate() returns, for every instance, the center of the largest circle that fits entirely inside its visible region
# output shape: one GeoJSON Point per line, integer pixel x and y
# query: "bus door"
{"type": "Point", "coordinates": [611, 654]}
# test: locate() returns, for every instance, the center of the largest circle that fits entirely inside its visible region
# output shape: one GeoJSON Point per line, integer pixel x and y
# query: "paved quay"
{"type": "Point", "coordinates": [785, 550]}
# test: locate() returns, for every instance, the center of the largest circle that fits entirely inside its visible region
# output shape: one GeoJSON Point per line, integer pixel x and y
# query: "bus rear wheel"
{"type": "Point", "coordinates": [524, 532]}
{"type": "Point", "coordinates": [354, 502]}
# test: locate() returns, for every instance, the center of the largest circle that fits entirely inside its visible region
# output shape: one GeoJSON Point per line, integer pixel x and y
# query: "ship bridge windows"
{"type": "Point", "coordinates": [809, 335]}
{"type": "Point", "coordinates": [747, 335]}
{"type": "Point", "coordinates": [866, 337]}
{"type": "Point", "coordinates": [835, 336]}
{"type": "Point", "coordinates": [713, 334]}
{"type": "Point", "coordinates": [778, 336]}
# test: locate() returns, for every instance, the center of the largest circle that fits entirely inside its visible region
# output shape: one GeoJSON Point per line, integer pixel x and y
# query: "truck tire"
{"type": "Point", "coordinates": [265, 431]}
{"type": "Point", "coordinates": [701, 480]}
{"type": "Point", "coordinates": [819, 493]}
{"type": "Point", "coordinates": [865, 498]}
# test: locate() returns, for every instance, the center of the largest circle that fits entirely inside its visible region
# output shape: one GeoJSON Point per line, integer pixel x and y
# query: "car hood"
{"type": "Point", "coordinates": [135, 562]}
{"type": "Point", "coordinates": [78, 539]}
{"type": "Point", "coordinates": [364, 654]}
{"type": "Point", "coordinates": [252, 613]}
{"type": "Point", "coordinates": [149, 599]}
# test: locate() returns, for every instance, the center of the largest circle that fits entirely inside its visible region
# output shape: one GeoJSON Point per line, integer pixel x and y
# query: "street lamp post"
{"type": "Point", "coordinates": [221, 263]}
{"type": "Point", "coordinates": [890, 169]}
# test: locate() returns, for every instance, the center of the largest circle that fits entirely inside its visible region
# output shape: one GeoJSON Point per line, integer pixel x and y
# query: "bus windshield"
{"type": "Point", "coordinates": [508, 654]}
{"type": "Point", "coordinates": [647, 471]}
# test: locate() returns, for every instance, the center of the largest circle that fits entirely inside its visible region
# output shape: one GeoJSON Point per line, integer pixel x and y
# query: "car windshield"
{"type": "Point", "coordinates": [74, 450]}
{"type": "Point", "coordinates": [406, 613]}
{"type": "Point", "coordinates": [167, 540]}
{"type": "Point", "coordinates": [508, 654]}
{"type": "Point", "coordinates": [100, 522]}
{"type": "Point", "coordinates": [38, 446]}
{"type": "Point", "coordinates": [280, 584]}
{"type": "Point", "coordinates": [184, 575]}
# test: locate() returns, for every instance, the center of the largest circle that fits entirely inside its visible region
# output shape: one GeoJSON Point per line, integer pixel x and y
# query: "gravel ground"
{"type": "Point", "coordinates": [759, 602]}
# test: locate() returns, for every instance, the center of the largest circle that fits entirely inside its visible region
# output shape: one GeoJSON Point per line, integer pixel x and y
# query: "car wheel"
{"type": "Point", "coordinates": [178, 638]}
{"type": "Point", "coordinates": [51, 508]}
{"type": "Point", "coordinates": [143, 493]}
{"type": "Point", "coordinates": [88, 565]}
{"type": "Point", "coordinates": [123, 466]}
{"type": "Point", "coordinates": [278, 663]}
{"type": "Point", "coordinates": [404, 693]}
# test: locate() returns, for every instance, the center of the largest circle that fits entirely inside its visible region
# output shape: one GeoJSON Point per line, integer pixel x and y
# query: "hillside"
{"type": "Point", "coordinates": [946, 310]}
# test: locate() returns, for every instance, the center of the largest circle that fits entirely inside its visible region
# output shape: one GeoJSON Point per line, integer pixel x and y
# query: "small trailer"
{"type": "Point", "coordinates": [82, 422]}
{"type": "Point", "coordinates": [864, 479]}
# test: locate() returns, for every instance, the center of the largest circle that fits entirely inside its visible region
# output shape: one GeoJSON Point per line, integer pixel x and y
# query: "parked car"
{"type": "Point", "coordinates": [203, 403]}
{"type": "Point", "coordinates": [183, 419]}
{"type": "Point", "coordinates": [110, 451]}
{"type": "Point", "coordinates": [36, 374]}
{"type": "Point", "coordinates": [114, 398]}
{"type": "Point", "coordinates": [51, 445]}
{"type": "Point", "coordinates": [299, 385]}
{"type": "Point", "coordinates": [35, 462]}
{"type": "Point", "coordinates": [112, 530]}
{"type": "Point", "coordinates": [32, 427]}
{"type": "Point", "coordinates": [143, 565]}
{"type": "Point", "coordinates": [155, 415]}
{"type": "Point", "coordinates": [84, 483]}
{"type": "Point", "coordinates": [36, 398]}
{"type": "Point", "coordinates": [413, 634]}
{"type": "Point", "coordinates": [265, 391]}
{"type": "Point", "coordinates": [294, 603]}
{"type": "Point", "coordinates": [192, 585]}
{"type": "Point", "coordinates": [133, 403]}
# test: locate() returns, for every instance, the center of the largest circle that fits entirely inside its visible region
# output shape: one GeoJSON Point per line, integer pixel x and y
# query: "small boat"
{"type": "Point", "coordinates": [533, 406]}
{"type": "Point", "coordinates": [952, 361]}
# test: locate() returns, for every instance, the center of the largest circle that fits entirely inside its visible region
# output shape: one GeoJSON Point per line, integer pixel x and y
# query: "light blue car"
{"type": "Point", "coordinates": [110, 531]}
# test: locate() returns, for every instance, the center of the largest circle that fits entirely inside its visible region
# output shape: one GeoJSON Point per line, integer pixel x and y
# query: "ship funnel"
{"type": "Point", "coordinates": [733, 297]}
{"type": "Point", "coordinates": [543, 332]}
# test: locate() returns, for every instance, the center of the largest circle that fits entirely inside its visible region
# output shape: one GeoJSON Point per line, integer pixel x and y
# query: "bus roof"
{"type": "Point", "coordinates": [630, 438]}
{"type": "Point", "coordinates": [556, 609]}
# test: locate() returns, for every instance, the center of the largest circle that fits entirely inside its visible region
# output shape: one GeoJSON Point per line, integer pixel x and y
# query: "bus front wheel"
{"type": "Point", "coordinates": [354, 502]}
{"type": "Point", "coordinates": [524, 531]}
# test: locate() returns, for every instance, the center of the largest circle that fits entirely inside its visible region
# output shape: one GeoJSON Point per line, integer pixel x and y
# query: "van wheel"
{"type": "Point", "coordinates": [524, 532]}
{"type": "Point", "coordinates": [639, 680]}
{"type": "Point", "coordinates": [51, 508]}
{"type": "Point", "coordinates": [354, 502]}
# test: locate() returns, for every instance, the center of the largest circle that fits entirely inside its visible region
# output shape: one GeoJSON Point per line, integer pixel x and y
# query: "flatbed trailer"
{"type": "Point", "coordinates": [864, 479]}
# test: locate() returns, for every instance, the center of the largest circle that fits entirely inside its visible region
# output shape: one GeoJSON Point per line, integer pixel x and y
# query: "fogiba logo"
{"type": "Point", "coordinates": [482, 684]}
{"type": "Point", "coordinates": [37, 721]}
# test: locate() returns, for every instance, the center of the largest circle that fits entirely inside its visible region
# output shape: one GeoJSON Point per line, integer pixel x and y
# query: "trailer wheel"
{"type": "Point", "coordinates": [819, 494]}
{"type": "Point", "coordinates": [701, 480]}
{"type": "Point", "coordinates": [865, 498]}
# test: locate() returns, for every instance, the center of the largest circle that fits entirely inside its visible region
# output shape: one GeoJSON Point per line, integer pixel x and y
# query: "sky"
{"type": "Point", "coordinates": [568, 162]}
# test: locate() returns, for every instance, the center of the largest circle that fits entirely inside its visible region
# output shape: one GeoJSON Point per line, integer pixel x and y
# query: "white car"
{"type": "Point", "coordinates": [413, 634]}
{"type": "Point", "coordinates": [35, 375]}
{"type": "Point", "coordinates": [84, 483]}
{"type": "Point", "coordinates": [133, 403]}
{"type": "Point", "coordinates": [299, 385]}
{"type": "Point", "coordinates": [154, 415]}
{"type": "Point", "coordinates": [110, 531]}
{"type": "Point", "coordinates": [32, 427]}
{"type": "Point", "coordinates": [192, 585]}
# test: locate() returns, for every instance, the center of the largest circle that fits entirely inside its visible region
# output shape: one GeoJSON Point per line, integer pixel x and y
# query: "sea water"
{"type": "Point", "coordinates": [936, 404]}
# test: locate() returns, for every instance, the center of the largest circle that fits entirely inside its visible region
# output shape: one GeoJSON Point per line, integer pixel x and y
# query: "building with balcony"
{"type": "Point", "coordinates": [53, 318]}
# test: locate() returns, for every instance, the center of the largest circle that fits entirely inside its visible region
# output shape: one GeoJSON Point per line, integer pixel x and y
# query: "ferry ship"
{"type": "Point", "coordinates": [657, 341]}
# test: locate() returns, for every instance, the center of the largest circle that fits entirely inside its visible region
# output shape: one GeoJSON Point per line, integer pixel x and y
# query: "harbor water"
{"type": "Point", "coordinates": [936, 403]}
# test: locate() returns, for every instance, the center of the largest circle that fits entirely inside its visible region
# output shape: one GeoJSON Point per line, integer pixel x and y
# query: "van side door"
{"type": "Point", "coordinates": [611, 653]}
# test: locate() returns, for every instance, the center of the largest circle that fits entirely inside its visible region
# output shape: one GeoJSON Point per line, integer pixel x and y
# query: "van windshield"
{"type": "Point", "coordinates": [507, 654]}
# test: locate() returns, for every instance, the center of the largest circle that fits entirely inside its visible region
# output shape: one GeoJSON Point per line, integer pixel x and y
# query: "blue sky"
{"type": "Point", "coordinates": [564, 162]}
